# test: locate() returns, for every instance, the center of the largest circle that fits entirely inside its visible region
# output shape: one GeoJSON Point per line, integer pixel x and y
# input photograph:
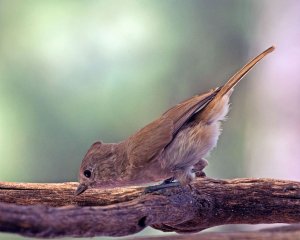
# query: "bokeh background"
{"type": "Point", "coordinates": [73, 72]}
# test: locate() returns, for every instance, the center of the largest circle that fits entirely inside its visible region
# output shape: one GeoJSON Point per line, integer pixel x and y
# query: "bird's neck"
{"type": "Point", "coordinates": [121, 164]}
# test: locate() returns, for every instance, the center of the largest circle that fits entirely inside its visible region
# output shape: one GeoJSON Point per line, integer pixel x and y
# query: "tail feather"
{"type": "Point", "coordinates": [242, 72]}
{"type": "Point", "coordinates": [236, 78]}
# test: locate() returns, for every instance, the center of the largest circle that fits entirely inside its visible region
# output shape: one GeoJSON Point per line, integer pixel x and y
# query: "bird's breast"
{"type": "Point", "coordinates": [190, 145]}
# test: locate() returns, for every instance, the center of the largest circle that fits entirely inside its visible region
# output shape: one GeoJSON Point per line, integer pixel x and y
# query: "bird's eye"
{"type": "Point", "coordinates": [87, 173]}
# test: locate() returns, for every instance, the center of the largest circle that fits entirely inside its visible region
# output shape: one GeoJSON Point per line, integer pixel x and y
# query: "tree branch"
{"type": "Point", "coordinates": [52, 210]}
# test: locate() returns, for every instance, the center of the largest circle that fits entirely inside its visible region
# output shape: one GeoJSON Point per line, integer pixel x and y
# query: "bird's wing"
{"type": "Point", "coordinates": [153, 138]}
{"type": "Point", "coordinates": [150, 140]}
{"type": "Point", "coordinates": [185, 110]}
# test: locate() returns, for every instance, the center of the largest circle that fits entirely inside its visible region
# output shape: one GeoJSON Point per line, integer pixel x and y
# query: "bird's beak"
{"type": "Point", "coordinates": [80, 189]}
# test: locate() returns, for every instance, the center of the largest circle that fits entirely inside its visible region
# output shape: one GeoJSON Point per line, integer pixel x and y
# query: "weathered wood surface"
{"type": "Point", "coordinates": [52, 210]}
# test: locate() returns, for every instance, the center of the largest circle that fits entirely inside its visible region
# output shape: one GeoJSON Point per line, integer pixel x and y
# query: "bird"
{"type": "Point", "coordinates": [170, 149]}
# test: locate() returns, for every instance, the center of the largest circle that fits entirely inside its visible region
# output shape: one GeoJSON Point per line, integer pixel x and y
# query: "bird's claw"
{"type": "Point", "coordinates": [161, 186]}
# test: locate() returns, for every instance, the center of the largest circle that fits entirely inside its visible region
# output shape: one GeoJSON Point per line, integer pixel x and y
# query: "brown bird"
{"type": "Point", "coordinates": [170, 148]}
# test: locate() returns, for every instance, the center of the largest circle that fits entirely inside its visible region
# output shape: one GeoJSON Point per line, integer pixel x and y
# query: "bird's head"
{"type": "Point", "coordinates": [98, 167]}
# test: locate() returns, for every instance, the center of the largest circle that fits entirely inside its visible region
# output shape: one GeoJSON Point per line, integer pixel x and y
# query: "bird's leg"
{"type": "Point", "coordinates": [198, 168]}
{"type": "Point", "coordinates": [170, 182]}
{"type": "Point", "coordinates": [161, 186]}
{"type": "Point", "coordinates": [184, 177]}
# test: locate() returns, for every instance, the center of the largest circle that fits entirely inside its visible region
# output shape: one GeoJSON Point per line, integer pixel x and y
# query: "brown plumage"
{"type": "Point", "coordinates": [173, 146]}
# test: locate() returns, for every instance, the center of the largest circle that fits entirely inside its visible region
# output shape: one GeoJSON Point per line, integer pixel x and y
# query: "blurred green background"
{"type": "Point", "coordinates": [73, 72]}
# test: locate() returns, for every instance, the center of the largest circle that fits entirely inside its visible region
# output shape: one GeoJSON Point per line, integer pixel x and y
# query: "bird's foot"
{"type": "Point", "coordinates": [199, 167]}
{"type": "Point", "coordinates": [165, 184]}
{"type": "Point", "coordinates": [168, 180]}
{"type": "Point", "coordinates": [200, 174]}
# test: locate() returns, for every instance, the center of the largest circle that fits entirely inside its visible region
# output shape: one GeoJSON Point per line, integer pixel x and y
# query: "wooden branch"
{"type": "Point", "coordinates": [52, 210]}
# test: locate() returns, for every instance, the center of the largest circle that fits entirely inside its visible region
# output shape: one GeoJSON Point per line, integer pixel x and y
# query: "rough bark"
{"type": "Point", "coordinates": [52, 210]}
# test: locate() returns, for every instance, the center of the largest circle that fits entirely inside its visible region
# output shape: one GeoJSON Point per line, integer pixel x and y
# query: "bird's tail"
{"type": "Point", "coordinates": [220, 92]}
{"type": "Point", "coordinates": [242, 72]}
{"type": "Point", "coordinates": [215, 109]}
